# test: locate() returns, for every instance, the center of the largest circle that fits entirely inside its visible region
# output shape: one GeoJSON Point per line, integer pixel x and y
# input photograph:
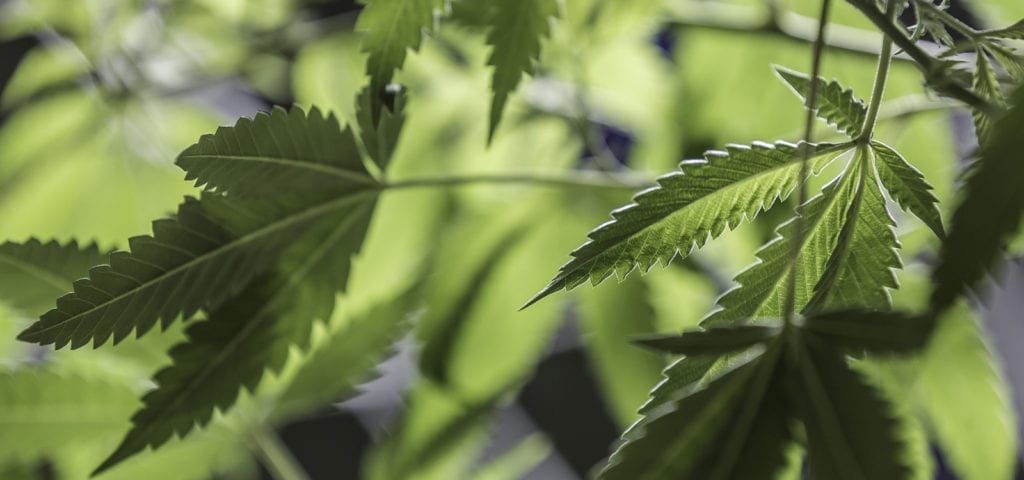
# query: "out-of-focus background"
{"type": "Point", "coordinates": [97, 97]}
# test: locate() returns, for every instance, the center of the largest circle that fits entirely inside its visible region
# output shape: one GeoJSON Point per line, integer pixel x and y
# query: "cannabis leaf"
{"type": "Point", "coordinates": [907, 186]}
{"type": "Point", "coordinates": [180, 268]}
{"type": "Point", "coordinates": [717, 341]}
{"type": "Point", "coordinates": [987, 86]}
{"type": "Point", "coordinates": [43, 410]}
{"type": "Point", "coordinates": [1013, 32]}
{"type": "Point", "coordinates": [871, 331]}
{"type": "Point", "coordinates": [516, 30]}
{"type": "Point", "coordinates": [689, 207]}
{"type": "Point", "coordinates": [390, 28]}
{"type": "Point", "coordinates": [839, 107]}
{"type": "Point", "coordinates": [989, 212]}
{"type": "Point", "coordinates": [33, 273]}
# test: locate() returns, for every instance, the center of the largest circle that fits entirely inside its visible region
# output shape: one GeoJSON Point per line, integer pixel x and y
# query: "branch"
{"type": "Point", "coordinates": [569, 179]}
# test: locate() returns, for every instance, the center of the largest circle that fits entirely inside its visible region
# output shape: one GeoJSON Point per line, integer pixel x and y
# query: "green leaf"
{"type": "Point", "coordinates": [283, 151]}
{"type": "Point", "coordinates": [516, 30]}
{"type": "Point", "coordinates": [871, 331]}
{"type": "Point", "coordinates": [345, 357]}
{"type": "Point", "coordinates": [180, 268]}
{"type": "Point", "coordinates": [517, 461]}
{"type": "Point", "coordinates": [33, 273]}
{"type": "Point", "coordinates": [249, 335]}
{"type": "Point", "coordinates": [989, 212]}
{"type": "Point", "coordinates": [42, 411]}
{"type": "Point", "coordinates": [836, 106]}
{"type": "Point", "coordinates": [907, 186]}
{"type": "Point", "coordinates": [688, 208]}
{"type": "Point", "coordinates": [762, 287]}
{"type": "Point", "coordinates": [390, 28]}
{"type": "Point", "coordinates": [850, 432]}
{"type": "Point", "coordinates": [735, 426]}
{"type": "Point", "coordinates": [714, 341]}
{"type": "Point", "coordinates": [380, 138]}
{"type": "Point", "coordinates": [958, 373]}
{"type": "Point", "coordinates": [1013, 32]}
{"type": "Point", "coordinates": [861, 269]}
{"type": "Point", "coordinates": [986, 85]}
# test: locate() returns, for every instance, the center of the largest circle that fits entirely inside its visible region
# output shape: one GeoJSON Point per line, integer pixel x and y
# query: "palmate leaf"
{"type": "Point", "coordinates": [717, 341]}
{"type": "Point", "coordinates": [515, 32]}
{"type": "Point", "coordinates": [1013, 32]}
{"type": "Point", "coordinates": [850, 432]}
{"type": "Point", "coordinates": [181, 268]}
{"type": "Point", "coordinates": [390, 28]}
{"type": "Point", "coordinates": [870, 331]}
{"type": "Point", "coordinates": [836, 105]}
{"type": "Point", "coordinates": [907, 186]}
{"type": "Point", "coordinates": [737, 426]}
{"type": "Point", "coordinates": [33, 273]}
{"type": "Point", "coordinates": [989, 212]}
{"type": "Point", "coordinates": [687, 208]}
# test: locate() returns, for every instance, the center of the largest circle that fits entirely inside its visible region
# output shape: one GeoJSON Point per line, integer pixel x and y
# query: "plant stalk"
{"type": "Point", "coordinates": [881, 76]}
{"type": "Point", "coordinates": [567, 180]}
{"type": "Point", "coordinates": [276, 457]}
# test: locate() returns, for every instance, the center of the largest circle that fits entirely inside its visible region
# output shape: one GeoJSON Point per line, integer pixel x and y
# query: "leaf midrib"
{"type": "Point", "coordinates": [40, 273]}
{"type": "Point", "coordinates": [287, 162]}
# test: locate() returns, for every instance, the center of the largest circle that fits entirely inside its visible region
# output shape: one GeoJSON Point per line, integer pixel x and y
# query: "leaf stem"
{"type": "Point", "coordinates": [810, 104]}
{"type": "Point", "coordinates": [881, 76]}
{"type": "Point", "coordinates": [563, 179]}
{"type": "Point", "coordinates": [276, 457]}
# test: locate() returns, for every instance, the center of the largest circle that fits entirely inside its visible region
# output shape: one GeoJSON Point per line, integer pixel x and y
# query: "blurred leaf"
{"type": "Point", "coordinates": [44, 67]}
{"type": "Point", "coordinates": [517, 461]}
{"type": "Point", "coordinates": [986, 85]}
{"type": "Point", "coordinates": [837, 106]}
{"type": "Point", "coordinates": [989, 212]}
{"type": "Point", "coordinates": [32, 274]}
{"type": "Point", "coordinates": [516, 30]}
{"type": "Point", "coordinates": [687, 209]}
{"type": "Point", "coordinates": [390, 28]}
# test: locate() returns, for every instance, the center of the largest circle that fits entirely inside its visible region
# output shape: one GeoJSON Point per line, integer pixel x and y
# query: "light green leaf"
{"type": "Point", "coordinates": [516, 30]}
{"type": "Point", "coordinates": [33, 273]}
{"type": "Point", "coordinates": [990, 210]}
{"type": "Point", "coordinates": [42, 411]}
{"type": "Point", "coordinates": [907, 186]}
{"type": "Point", "coordinates": [688, 208]}
{"type": "Point", "coordinates": [517, 462]}
{"type": "Point", "coordinates": [248, 335]}
{"type": "Point", "coordinates": [390, 28]}
{"type": "Point", "coordinates": [986, 85]}
{"type": "Point", "coordinates": [836, 105]}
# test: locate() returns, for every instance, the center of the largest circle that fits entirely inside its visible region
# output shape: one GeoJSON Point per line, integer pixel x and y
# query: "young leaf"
{"type": "Point", "coordinates": [247, 336]}
{"type": "Point", "coordinates": [1013, 32]}
{"type": "Point", "coordinates": [907, 186]}
{"type": "Point", "coordinates": [390, 28]}
{"type": "Point", "coordinates": [735, 426]}
{"type": "Point", "coordinates": [714, 341]}
{"type": "Point", "coordinates": [516, 30]}
{"type": "Point", "coordinates": [33, 273]}
{"type": "Point", "coordinates": [871, 331]}
{"type": "Point", "coordinates": [280, 152]}
{"type": "Point", "coordinates": [43, 411]}
{"type": "Point", "coordinates": [850, 434]}
{"type": "Point", "coordinates": [989, 212]}
{"type": "Point", "coordinates": [836, 106]}
{"type": "Point", "coordinates": [180, 269]}
{"type": "Point", "coordinates": [687, 208]}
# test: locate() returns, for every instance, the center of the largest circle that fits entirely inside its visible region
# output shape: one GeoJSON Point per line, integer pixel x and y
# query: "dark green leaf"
{"type": "Point", "coordinates": [516, 30]}
{"type": "Point", "coordinates": [687, 209]}
{"type": "Point", "coordinates": [989, 212]}
{"type": "Point", "coordinates": [907, 186]}
{"type": "Point", "coordinates": [1013, 32]}
{"type": "Point", "coordinates": [837, 106]}
{"type": "Point", "coordinates": [871, 331]}
{"type": "Point", "coordinates": [714, 341]}
{"type": "Point", "coordinates": [33, 273]}
{"type": "Point", "coordinates": [850, 432]}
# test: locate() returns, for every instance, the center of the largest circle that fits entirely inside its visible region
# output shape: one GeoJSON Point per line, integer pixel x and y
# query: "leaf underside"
{"type": "Point", "coordinates": [33, 273]}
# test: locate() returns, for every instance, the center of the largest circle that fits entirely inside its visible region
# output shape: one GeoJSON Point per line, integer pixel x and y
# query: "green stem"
{"type": "Point", "coordinates": [881, 76]}
{"type": "Point", "coordinates": [276, 457]}
{"type": "Point", "coordinates": [563, 179]}
{"type": "Point", "coordinates": [948, 19]}
{"type": "Point", "coordinates": [810, 105]}
{"type": "Point", "coordinates": [934, 70]}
